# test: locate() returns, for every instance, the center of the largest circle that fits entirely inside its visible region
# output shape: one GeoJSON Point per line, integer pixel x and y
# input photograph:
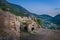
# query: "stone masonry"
{"type": "Point", "coordinates": [9, 26]}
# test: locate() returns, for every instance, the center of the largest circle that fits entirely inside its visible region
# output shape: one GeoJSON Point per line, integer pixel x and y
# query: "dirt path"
{"type": "Point", "coordinates": [43, 34]}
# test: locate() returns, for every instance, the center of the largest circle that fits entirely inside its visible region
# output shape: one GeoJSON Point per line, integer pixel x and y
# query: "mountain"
{"type": "Point", "coordinates": [50, 22]}
{"type": "Point", "coordinates": [57, 19]}
{"type": "Point", "coordinates": [44, 16]}
{"type": "Point", "coordinates": [16, 9]}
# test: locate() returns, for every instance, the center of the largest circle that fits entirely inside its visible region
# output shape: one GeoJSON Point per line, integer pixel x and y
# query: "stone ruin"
{"type": "Point", "coordinates": [29, 25]}
{"type": "Point", "coordinates": [10, 25]}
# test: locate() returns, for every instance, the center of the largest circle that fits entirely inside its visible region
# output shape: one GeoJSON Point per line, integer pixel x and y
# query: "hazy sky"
{"type": "Point", "coordinates": [39, 6]}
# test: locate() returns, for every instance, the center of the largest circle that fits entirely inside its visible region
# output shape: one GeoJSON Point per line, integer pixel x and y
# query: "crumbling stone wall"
{"type": "Point", "coordinates": [9, 29]}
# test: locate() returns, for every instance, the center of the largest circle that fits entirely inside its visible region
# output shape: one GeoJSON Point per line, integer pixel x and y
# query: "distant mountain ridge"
{"type": "Point", "coordinates": [57, 19]}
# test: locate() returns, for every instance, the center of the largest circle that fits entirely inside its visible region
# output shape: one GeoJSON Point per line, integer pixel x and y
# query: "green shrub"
{"type": "Point", "coordinates": [39, 21]}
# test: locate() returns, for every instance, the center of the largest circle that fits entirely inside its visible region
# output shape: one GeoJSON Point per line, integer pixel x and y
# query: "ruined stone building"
{"type": "Point", "coordinates": [30, 25]}
{"type": "Point", "coordinates": [10, 25]}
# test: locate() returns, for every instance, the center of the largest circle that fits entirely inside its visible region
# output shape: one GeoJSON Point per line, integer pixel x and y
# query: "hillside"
{"type": "Point", "coordinates": [57, 19]}
{"type": "Point", "coordinates": [13, 19]}
{"type": "Point", "coordinates": [16, 9]}
{"type": "Point", "coordinates": [12, 25]}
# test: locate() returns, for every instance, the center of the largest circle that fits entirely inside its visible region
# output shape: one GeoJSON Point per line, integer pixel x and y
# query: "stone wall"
{"type": "Point", "coordinates": [9, 26]}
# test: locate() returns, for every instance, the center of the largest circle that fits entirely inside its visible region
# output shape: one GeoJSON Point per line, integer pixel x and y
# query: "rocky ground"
{"type": "Point", "coordinates": [42, 34]}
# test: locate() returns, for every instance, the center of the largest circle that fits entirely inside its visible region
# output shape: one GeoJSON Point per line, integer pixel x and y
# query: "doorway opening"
{"type": "Point", "coordinates": [32, 29]}
{"type": "Point", "coordinates": [25, 29]}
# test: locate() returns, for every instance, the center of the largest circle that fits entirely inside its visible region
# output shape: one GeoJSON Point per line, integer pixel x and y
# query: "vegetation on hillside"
{"type": "Point", "coordinates": [9, 7]}
{"type": "Point", "coordinates": [39, 22]}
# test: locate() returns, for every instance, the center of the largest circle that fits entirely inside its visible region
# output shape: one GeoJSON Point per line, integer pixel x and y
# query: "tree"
{"type": "Point", "coordinates": [39, 21]}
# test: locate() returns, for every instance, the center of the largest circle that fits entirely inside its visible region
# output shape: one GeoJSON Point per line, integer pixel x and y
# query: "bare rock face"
{"type": "Point", "coordinates": [9, 26]}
